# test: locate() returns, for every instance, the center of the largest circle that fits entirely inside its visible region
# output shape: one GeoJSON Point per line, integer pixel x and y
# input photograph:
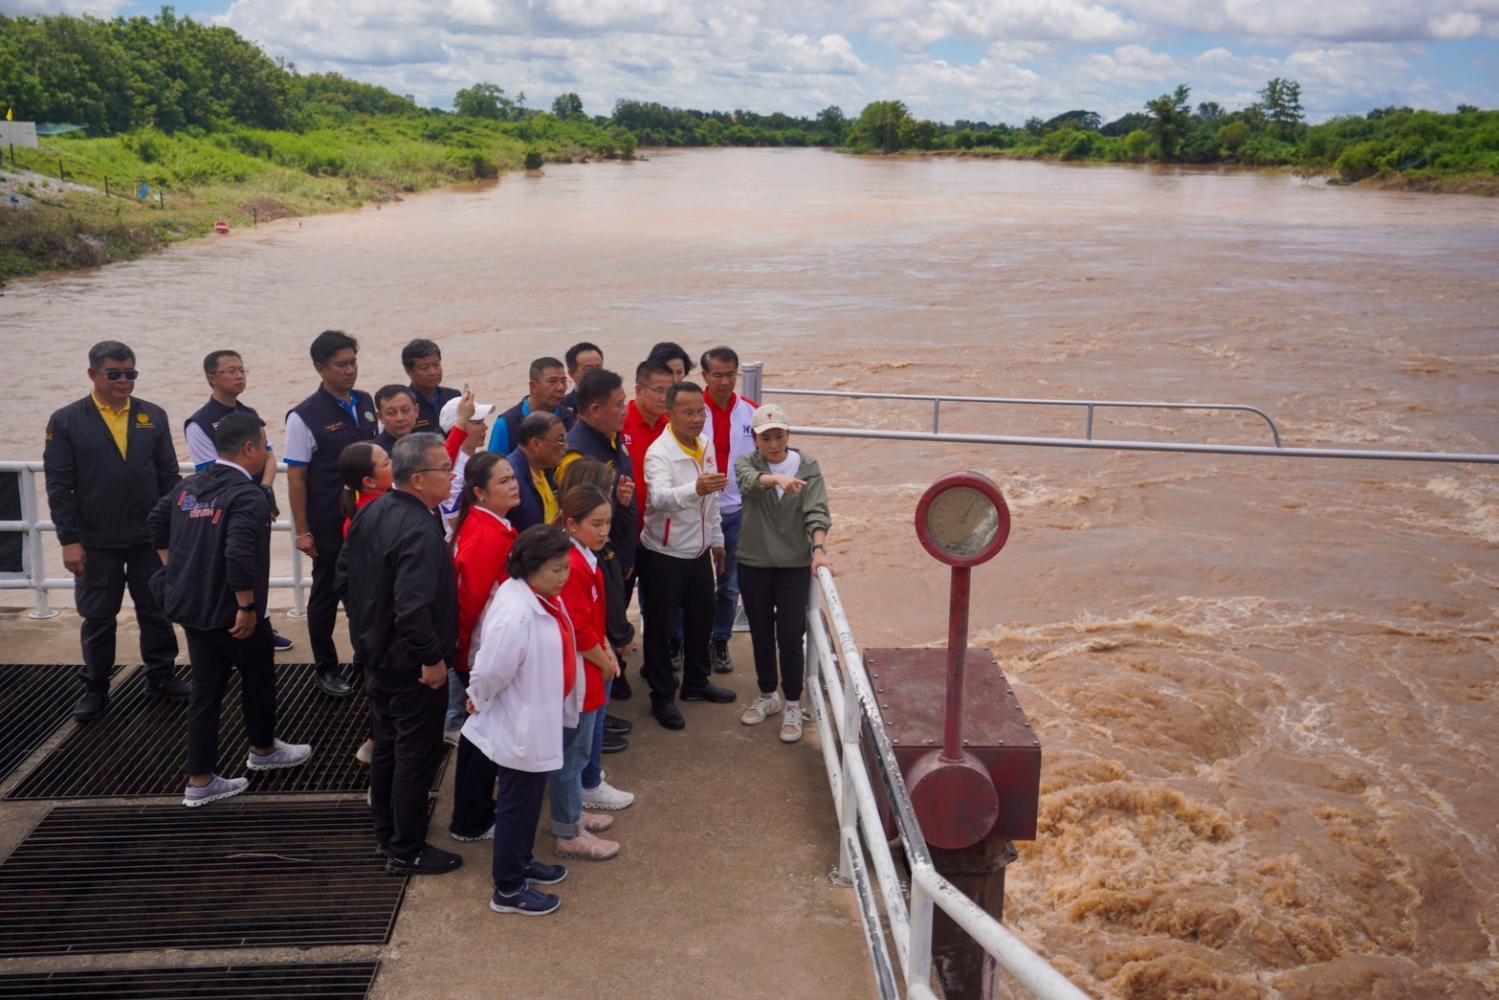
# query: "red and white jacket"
{"type": "Point", "coordinates": [678, 522]}
{"type": "Point", "coordinates": [479, 557]}
{"type": "Point", "coordinates": [731, 435]}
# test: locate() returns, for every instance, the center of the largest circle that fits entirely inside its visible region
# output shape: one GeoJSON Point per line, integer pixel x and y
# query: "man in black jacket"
{"type": "Point", "coordinates": [213, 532]}
{"type": "Point", "coordinates": [108, 459]}
{"type": "Point", "coordinates": [402, 596]}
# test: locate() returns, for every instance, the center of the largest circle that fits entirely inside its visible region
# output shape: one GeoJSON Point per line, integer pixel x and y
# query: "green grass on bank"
{"type": "Point", "coordinates": [240, 175]}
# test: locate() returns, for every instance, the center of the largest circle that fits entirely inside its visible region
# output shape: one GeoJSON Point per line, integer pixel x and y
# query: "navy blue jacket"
{"type": "Point", "coordinates": [333, 430]}
{"type": "Point", "coordinates": [216, 526]}
{"type": "Point", "coordinates": [588, 442]}
{"type": "Point", "coordinates": [530, 510]}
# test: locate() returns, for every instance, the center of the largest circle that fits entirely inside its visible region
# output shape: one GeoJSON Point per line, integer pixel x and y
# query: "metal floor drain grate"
{"type": "Point", "coordinates": [35, 698]}
{"type": "Point", "coordinates": [330, 981]}
{"type": "Point", "coordinates": [139, 746]}
{"type": "Point", "coordinates": [96, 879]}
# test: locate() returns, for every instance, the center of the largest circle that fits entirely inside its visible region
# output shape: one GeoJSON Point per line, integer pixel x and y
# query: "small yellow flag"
{"type": "Point", "coordinates": [10, 114]}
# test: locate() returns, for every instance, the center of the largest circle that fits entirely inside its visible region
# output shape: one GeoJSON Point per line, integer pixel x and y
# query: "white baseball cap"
{"type": "Point", "coordinates": [449, 415]}
{"type": "Point", "coordinates": [769, 417]}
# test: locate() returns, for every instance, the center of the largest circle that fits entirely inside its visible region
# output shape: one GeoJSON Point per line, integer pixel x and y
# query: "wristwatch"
{"type": "Point", "coordinates": [246, 607]}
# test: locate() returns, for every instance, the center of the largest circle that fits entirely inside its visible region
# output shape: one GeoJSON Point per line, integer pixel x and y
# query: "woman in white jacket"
{"type": "Point", "coordinates": [525, 686]}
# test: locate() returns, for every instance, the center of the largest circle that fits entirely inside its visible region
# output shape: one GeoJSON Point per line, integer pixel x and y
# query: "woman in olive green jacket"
{"type": "Point", "coordinates": [781, 545]}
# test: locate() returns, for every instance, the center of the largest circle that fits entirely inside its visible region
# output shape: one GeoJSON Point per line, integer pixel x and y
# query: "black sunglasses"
{"type": "Point", "coordinates": [128, 374]}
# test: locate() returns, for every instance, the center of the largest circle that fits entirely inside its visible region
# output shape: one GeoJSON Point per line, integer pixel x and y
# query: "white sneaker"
{"type": "Point", "coordinates": [791, 724]}
{"type": "Point", "coordinates": [607, 798]}
{"type": "Point", "coordinates": [762, 708]}
{"type": "Point", "coordinates": [218, 788]}
{"type": "Point", "coordinates": [486, 835]}
{"type": "Point", "coordinates": [281, 755]}
{"type": "Point", "coordinates": [366, 753]}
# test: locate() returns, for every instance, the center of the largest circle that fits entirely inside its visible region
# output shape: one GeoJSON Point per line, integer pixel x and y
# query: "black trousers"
{"type": "Point", "coordinates": [775, 602]}
{"type": "Point", "coordinates": [667, 585]}
{"type": "Point", "coordinates": [98, 593]}
{"type": "Point", "coordinates": [515, 818]}
{"type": "Point", "coordinates": [473, 791]}
{"type": "Point", "coordinates": [322, 602]}
{"type": "Point", "coordinates": [214, 653]}
{"type": "Point", "coordinates": [406, 723]}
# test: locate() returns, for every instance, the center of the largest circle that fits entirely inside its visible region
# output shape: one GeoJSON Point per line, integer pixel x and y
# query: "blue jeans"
{"type": "Point", "coordinates": [593, 772]}
{"type": "Point", "coordinates": [726, 604]}
{"type": "Point", "coordinates": [457, 699]}
{"type": "Point", "coordinates": [564, 787]}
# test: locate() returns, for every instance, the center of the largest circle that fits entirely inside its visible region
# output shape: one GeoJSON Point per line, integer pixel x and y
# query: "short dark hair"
{"type": "Point", "coordinates": [542, 364]}
{"type": "Point", "coordinates": [668, 349]}
{"type": "Point", "coordinates": [679, 389]}
{"type": "Point", "coordinates": [652, 365]}
{"type": "Point", "coordinates": [720, 353]}
{"type": "Point", "coordinates": [235, 431]}
{"type": "Point", "coordinates": [211, 362]}
{"type": "Point", "coordinates": [536, 546]}
{"type": "Point", "coordinates": [596, 387]}
{"type": "Point", "coordinates": [409, 454]}
{"type": "Point", "coordinates": [329, 343]}
{"type": "Point", "coordinates": [534, 425]}
{"type": "Point", "coordinates": [582, 347]}
{"type": "Point", "coordinates": [108, 350]}
{"type": "Point", "coordinates": [418, 349]}
{"type": "Point", "coordinates": [389, 392]}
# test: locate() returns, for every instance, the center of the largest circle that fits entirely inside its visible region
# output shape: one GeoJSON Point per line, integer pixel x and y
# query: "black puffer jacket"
{"type": "Point", "coordinates": [216, 526]}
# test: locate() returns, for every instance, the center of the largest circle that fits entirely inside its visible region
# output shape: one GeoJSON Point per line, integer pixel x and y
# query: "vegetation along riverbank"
{"type": "Point", "coordinates": [182, 125]}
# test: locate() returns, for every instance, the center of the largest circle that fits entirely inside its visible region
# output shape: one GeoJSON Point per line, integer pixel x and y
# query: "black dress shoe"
{"type": "Point", "coordinates": [614, 724]}
{"type": "Point", "coordinates": [332, 684]}
{"type": "Point", "coordinates": [167, 686]}
{"type": "Point", "coordinates": [428, 861]}
{"type": "Point", "coordinates": [669, 715]}
{"type": "Point", "coordinates": [620, 690]}
{"type": "Point", "coordinates": [615, 743]}
{"type": "Point", "coordinates": [91, 705]}
{"type": "Point", "coordinates": [709, 692]}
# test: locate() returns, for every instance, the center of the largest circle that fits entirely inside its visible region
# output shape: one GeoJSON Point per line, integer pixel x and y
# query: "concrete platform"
{"type": "Point", "coordinates": [721, 890]}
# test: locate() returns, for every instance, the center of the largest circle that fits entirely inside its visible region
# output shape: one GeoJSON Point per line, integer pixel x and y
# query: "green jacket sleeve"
{"type": "Point", "coordinates": [815, 515]}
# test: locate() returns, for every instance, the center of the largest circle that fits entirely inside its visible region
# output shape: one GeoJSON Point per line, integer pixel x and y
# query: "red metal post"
{"type": "Point", "coordinates": [957, 652]}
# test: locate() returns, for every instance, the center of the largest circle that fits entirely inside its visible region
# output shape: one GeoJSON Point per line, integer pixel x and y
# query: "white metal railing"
{"type": "Point", "coordinates": [34, 564]}
{"type": "Point", "coordinates": [845, 710]}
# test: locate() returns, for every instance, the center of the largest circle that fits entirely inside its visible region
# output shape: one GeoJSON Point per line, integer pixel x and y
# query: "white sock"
{"type": "Point", "coordinates": [794, 704]}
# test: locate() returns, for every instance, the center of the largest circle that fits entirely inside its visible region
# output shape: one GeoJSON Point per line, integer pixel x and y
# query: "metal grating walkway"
{"type": "Point", "coordinates": [138, 747]}
{"type": "Point", "coordinates": [132, 878]}
{"type": "Point", "coordinates": [35, 698]}
{"type": "Point", "coordinates": [330, 981]}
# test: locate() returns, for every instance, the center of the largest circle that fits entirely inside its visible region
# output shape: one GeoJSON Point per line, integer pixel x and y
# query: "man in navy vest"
{"type": "Point", "coordinates": [548, 389]}
{"type": "Point", "coordinates": [227, 378]}
{"type": "Point", "coordinates": [422, 360]}
{"type": "Point", "coordinates": [317, 431]}
{"type": "Point", "coordinates": [108, 458]}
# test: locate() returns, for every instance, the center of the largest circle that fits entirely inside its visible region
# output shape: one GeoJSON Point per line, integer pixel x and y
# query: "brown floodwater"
{"type": "Point", "coordinates": [1266, 688]}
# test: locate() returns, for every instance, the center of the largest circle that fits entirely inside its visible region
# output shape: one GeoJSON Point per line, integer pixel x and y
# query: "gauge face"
{"type": "Point", "coordinates": [963, 519]}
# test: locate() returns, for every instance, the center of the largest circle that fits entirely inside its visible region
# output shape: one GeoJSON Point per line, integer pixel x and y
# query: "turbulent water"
{"type": "Point", "coordinates": [1265, 688]}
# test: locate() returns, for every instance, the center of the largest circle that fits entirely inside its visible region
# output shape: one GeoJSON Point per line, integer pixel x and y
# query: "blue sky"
{"type": "Point", "coordinates": [994, 60]}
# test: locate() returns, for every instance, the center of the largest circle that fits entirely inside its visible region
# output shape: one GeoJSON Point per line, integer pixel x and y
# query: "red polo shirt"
{"type": "Point", "coordinates": [638, 437]}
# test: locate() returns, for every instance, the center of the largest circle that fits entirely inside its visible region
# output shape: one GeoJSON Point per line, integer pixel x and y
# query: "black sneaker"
{"type": "Point", "coordinates": [542, 874]}
{"type": "Point", "coordinates": [526, 901]}
{"type": "Point", "coordinates": [280, 642]}
{"type": "Point", "coordinates": [614, 724]}
{"type": "Point", "coordinates": [718, 657]}
{"type": "Point", "coordinates": [614, 743]}
{"type": "Point", "coordinates": [91, 705]}
{"type": "Point", "coordinates": [428, 861]}
{"type": "Point", "coordinates": [621, 690]}
{"type": "Point", "coordinates": [669, 715]}
{"type": "Point", "coordinates": [709, 692]}
{"type": "Point", "coordinates": [167, 686]}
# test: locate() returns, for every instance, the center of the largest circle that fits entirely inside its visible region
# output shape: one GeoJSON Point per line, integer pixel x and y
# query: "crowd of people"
{"type": "Point", "coordinates": [486, 562]}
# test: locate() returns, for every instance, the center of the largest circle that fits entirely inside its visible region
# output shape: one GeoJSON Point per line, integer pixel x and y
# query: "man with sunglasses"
{"type": "Point", "coordinates": [108, 459]}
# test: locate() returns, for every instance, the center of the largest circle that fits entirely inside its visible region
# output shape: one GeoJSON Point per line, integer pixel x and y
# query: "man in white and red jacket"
{"type": "Point", "coordinates": [680, 547]}
{"type": "Point", "coordinates": [730, 438]}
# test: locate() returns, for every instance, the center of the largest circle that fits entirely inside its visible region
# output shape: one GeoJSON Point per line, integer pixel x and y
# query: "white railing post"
{"type": "Point", "coordinates": [752, 380]}
{"type": "Point", "coordinates": [919, 948]}
{"type": "Point", "coordinates": [36, 568]}
{"type": "Point", "coordinates": [811, 656]}
{"type": "Point", "coordinates": [851, 757]}
{"type": "Point", "coordinates": [298, 591]}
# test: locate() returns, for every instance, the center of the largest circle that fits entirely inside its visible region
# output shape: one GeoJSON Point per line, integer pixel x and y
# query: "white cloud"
{"type": "Point", "coordinates": [1331, 20]}
{"type": "Point", "coordinates": [33, 8]}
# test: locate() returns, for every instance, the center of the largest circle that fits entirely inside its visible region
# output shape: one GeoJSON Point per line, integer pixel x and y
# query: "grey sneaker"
{"type": "Point", "coordinates": [281, 755]}
{"type": "Point", "coordinates": [762, 708]}
{"type": "Point", "coordinates": [718, 657]}
{"type": "Point", "coordinates": [791, 724]}
{"type": "Point", "coordinates": [218, 788]}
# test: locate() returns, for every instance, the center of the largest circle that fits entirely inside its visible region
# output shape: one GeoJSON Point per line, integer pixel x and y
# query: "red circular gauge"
{"type": "Point", "coordinates": [962, 519]}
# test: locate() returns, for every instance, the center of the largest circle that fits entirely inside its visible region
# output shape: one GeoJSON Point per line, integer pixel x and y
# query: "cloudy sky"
{"type": "Point", "coordinates": [994, 60]}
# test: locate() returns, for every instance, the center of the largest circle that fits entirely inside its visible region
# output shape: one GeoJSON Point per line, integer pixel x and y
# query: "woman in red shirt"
{"type": "Point", "coordinates": [586, 513]}
{"type": "Point", "coordinates": [482, 539]}
{"type": "Point", "coordinates": [366, 472]}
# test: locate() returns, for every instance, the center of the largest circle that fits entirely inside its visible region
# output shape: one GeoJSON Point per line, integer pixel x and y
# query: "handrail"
{"type": "Point", "coordinates": [1090, 404]}
{"type": "Point", "coordinates": [838, 688]}
{"type": "Point", "coordinates": [34, 526]}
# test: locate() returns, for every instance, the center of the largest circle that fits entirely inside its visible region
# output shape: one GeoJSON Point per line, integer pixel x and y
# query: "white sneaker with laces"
{"type": "Point", "coordinates": [218, 788]}
{"type": "Point", "coordinates": [607, 797]}
{"type": "Point", "coordinates": [281, 755]}
{"type": "Point", "coordinates": [791, 724]}
{"type": "Point", "coordinates": [762, 708]}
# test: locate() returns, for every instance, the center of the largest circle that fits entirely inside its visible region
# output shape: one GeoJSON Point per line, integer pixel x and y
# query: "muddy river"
{"type": "Point", "coordinates": [1266, 688]}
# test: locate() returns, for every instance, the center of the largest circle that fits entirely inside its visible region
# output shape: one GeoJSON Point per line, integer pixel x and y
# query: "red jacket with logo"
{"type": "Point", "coordinates": [583, 596]}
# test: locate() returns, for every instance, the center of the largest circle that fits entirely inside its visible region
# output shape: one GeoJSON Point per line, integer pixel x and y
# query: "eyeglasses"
{"type": "Point", "coordinates": [128, 374]}
{"type": "Point", "coordinates": [233, 372]}
{"type": "Point", "coordinates": [444, 469]}
{"type": "Point", "coordinates": [654, 390]}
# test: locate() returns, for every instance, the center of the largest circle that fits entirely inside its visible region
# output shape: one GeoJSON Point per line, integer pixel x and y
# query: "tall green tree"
{"type": "Point", "coordinates": [832, 126]}
{"type": "Point", "coordinates": [484, 100]}
{"type": "Point", "coordinates": [567, 106]}
{"type": "Point", "coordinates": [1170, 120]}
{"type": "Point", "coordinates": [1281, 100]}
{"type": "Point", "coordinates": [879, 125]}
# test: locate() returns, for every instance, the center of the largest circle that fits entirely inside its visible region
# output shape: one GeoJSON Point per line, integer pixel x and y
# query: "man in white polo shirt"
{"type": "Point", "coordinates": [730, 437]}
